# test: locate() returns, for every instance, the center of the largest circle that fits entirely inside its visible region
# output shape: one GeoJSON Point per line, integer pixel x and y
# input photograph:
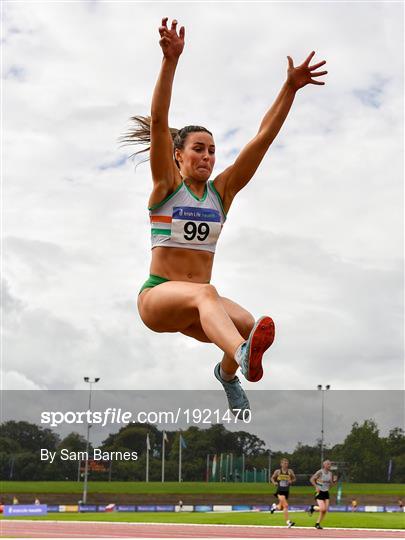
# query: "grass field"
{"type": "Point", "coordinates": [347, 520]}
{"type": "Point", "coordinates": [188, 488]}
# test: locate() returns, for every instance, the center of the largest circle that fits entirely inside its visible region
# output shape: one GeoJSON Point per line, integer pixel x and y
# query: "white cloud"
{"type": "Point", "coordinates": [13, 380]}
{"type": "Point", "coordinates": [316, 238]}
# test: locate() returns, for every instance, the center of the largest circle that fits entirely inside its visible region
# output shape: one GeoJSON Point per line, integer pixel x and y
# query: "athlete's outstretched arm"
{"type": "Point", "coordinates": [235, 177]}
{"type": "Point", "coordinates": [161, 151]}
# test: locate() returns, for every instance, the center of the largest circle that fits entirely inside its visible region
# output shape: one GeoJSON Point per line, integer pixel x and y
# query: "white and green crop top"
{"type": "Point", "coordinates": [184, 220]}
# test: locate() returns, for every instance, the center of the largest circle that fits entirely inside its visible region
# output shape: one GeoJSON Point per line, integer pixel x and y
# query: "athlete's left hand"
{"type": "Point", "coordinates": [300, 76]}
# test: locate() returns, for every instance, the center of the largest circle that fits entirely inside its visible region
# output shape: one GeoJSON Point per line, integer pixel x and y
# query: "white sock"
{"type": "Point", "coordinates": [238, 353]}
{"type": "Point", "coordinates": [226, 376]}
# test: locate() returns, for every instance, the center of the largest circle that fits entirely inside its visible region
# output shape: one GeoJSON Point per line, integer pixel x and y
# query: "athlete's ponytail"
{"type": "Point", "coordinates": [140, 134]}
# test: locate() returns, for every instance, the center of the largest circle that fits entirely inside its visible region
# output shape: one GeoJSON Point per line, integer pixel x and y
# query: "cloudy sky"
{"type": "Point", "coordinates": [315, 240]}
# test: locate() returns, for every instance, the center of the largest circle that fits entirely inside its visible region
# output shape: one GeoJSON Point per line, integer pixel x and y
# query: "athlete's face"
{"type": "Point", "coordinates": [284, 463]}
{"type": "Point", "coordinates": [327, 464]}
{"type": "Point", "coordinates": [197, 158]}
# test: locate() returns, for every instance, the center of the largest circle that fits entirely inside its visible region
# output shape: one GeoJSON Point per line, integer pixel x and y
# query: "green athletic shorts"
{"type": "Point", "coordinates": [152, 281]}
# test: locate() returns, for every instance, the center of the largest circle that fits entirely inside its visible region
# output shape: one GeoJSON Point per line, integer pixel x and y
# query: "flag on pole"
{"type": "Point", "coordinates": [147, 457]}
{"type": "Point", "coordinates": [164, 439]}
{"type": "Point", "coordinates": [214, 466]}
{"type": "Point", "coordinates": [183, 443]}
{"type": "Point", "coordinates": [243, 467]}
{"type": "Point", "coordinates": [221, 459]}
{"type": "Point", "coordinates": [389, 472]}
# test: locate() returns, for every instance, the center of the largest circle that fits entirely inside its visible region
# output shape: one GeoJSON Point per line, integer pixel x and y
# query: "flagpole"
{"type": "Point", "coordinates": [147, 457]}
{"type": "Point", "coordinates": [180, 445]}
{"type": "Point", "coordinates": [231, 469]}
{"type": "Point", "coordinates": [220, 467]}
{"type": "Point", "coordinates": [163, 457]}
{"type": "Point", "coordinates": [243, 467]}
{"type": "Point", "coordinates": [269, 478]}
{"type": "Point", "coordinates": [214, 468]}
{"type": "Point", "coordinates": [389, 472]}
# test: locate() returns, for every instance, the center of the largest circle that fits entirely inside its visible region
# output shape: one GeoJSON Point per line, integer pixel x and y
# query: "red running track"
{"type": "Point", "coordinates": [97, 529]}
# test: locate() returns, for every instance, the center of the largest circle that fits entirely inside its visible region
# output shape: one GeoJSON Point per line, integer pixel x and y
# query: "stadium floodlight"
{"type": "Point", "coordinates": [86, 463]}
{"type": "Point", "coordinates": [323, 390]}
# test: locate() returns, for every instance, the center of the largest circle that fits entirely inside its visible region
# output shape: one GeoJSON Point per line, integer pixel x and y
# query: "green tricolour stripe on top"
{"type": "Point", "coordinates": [165, 232]}
{"type": "Point", "coordinates": [195, 196]}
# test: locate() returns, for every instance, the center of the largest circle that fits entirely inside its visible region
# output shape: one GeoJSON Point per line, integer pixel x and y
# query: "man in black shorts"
{"type": "Point", "coordinates": [322, 480]}
{"type": "Point", "coordinates": [283, 478]}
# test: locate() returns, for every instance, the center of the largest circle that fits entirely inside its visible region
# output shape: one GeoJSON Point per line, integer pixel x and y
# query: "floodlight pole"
{"type": "Point", "coordinates": [323, 390]}
{"type": "Point", "coordinates": [86, 464]}
{"type": "Point", "coordinates": [269, 475]}
{"type": "Point", "coordinates": [243, 467]}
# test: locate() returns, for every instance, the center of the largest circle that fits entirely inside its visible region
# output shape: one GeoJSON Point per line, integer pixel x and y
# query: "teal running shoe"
{"type": "Point", "coordinates": [237, 399]}
{"type": "Point", "coordinates": [251, 353]}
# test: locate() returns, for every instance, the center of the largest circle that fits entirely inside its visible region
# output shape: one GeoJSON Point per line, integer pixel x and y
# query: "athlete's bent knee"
{"type": "Point", "coordinates": [208, 291]}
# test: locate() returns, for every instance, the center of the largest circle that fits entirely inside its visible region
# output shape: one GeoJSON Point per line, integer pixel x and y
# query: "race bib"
{"type": "Point", "coordinates": [284, 480]}
{"type": "Point", "coordinates": [195, 225]}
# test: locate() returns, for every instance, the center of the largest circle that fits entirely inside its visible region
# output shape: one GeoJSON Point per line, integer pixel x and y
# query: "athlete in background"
{"type": "Point", "coordinates": [322, 481]}
{"type": "Point", "coordinates": [283, 478]}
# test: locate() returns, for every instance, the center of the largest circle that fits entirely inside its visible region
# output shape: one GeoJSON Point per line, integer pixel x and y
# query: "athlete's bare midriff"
{"type": "Point", "coordinates": [179, 264]}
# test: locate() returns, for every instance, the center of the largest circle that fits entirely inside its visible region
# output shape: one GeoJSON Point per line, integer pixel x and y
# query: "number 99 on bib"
{"type": "Point", "coordinates": [195, 225]}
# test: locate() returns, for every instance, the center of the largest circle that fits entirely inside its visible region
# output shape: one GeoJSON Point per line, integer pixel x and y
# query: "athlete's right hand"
{"type": "Point", "coordinates": [171, 43]}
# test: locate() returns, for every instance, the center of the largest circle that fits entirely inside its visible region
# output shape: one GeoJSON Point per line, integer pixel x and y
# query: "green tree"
{"type": "Point", "coordinates": [248, 444]}
{"type": "Point", "coordinates": [366, 453]}
{"type": "Point", "coordinates": [30, 437]}
{"type": "Point", "coordinates": [21, 443]}
{"type": "Point", "coordinates": [66, 469]}
{"type": "Point", "coordinates": [395, 443]}
{"type": "Point", "coordinates": [73, 442]}
{"type": "Point", "coordinates": [305, 459]}
{"type": "Point", "coordinates": [9, 446]}
{"type": "Point", "coordinates": [133, 438]}
{"type": "Point", "coordinates": [398, 469]}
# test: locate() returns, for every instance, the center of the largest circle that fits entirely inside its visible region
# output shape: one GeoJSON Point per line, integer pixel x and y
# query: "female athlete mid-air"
{"type": "Point", "coordinates": [187, 213]}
